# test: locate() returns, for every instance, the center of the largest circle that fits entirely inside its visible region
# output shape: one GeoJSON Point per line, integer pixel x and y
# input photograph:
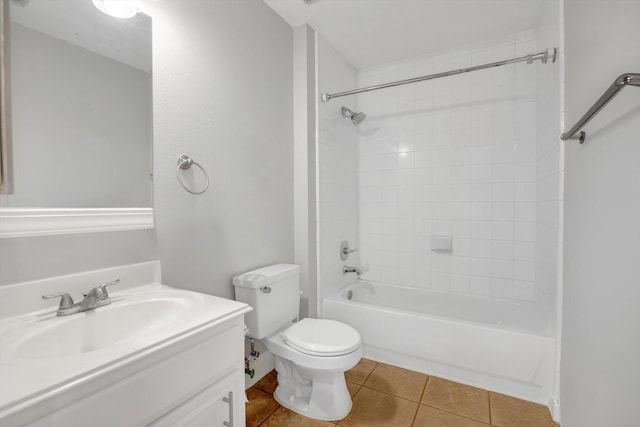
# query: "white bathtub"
{"type": "Point", "coordinates": [496, 345]}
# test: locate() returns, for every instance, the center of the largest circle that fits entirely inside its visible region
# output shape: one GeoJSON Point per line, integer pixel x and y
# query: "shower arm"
{"type": "Point", "coordinates": [543, 57]}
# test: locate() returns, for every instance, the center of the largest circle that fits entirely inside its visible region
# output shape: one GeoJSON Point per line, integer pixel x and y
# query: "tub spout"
{"type": "Point", "coordinates": [346, 269]}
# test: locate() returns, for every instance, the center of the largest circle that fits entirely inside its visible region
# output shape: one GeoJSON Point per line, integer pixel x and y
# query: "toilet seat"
{"type": "Point", "coordinates": [322, 337]}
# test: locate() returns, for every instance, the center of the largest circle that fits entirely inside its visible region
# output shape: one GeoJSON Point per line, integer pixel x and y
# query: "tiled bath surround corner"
{"type": "Point", "coordinates": [337, 166]}
{"type": "Point", "coordinates": [456, 156]}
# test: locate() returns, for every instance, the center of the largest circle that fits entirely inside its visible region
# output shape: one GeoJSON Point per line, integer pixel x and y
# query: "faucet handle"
{"type": "Point", "coordinates": [103, 287]}
{"type": "Point", "coordinates": [65, 302]}
{"type": "Point", "coordinates": [100, 291]}
{"type": "Point", "coordinates": [345, 250]}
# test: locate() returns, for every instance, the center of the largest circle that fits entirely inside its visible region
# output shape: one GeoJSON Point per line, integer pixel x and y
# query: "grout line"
{"type": "Point", "coordinates": [374, 368]}
{"type": "Point", "coordinates": [457, 414]}
{"type": "Point", "coordinates": [415, 415]}
{"type": "Point", "coordinates": [390, 394]}
{"type": "Point", "coordinates": [420, 400]}
{"type": "Point", "coordinates": [425, 388]}
{"type": "Point", "coordinates": [257, 384]}
{"type": "Point", "coordinates": [270, 414]}
{"type": "Point", "coordinates": [365, 378]}
{"type": "Point", "coordinates": [489, 400]}
{"type": "Point", "coordinates": [357, 391]}
{"type": "Point", "coordinates": [397, 397]}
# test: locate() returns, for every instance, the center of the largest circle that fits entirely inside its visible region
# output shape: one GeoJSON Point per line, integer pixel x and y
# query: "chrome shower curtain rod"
{"type": "Point", "coordinates": [543, 57]}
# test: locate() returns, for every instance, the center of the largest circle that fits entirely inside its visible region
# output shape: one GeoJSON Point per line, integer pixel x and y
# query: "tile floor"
{"type": "Point", "coordinates": [388, 396]}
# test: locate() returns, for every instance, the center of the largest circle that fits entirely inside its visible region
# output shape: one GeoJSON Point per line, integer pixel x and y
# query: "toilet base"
{"type": "Point", "coordinates": [318, 394]}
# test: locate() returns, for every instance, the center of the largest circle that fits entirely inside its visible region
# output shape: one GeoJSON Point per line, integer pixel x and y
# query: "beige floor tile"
{"type": "Point", "coordinates": [359, 373]}
{"type": "Point", "coordinates": [458, 398]}
{"type": "Point", "coordinates": [397, 381]}
{"type": "Point", "coordinates": [353, 388]}
{"type": "Point", "coordinates": [508, 411]}
{"type": "Point", "coordinates": [432, 417]}
{"type": "Point", "coordinates": [372, 408]}
{"type": "Point", "coordinates": [269, 382]}
{"type": "Point", "coordinates": [284, 417]}
{"type": "Point", "coordinates": [260, 406]}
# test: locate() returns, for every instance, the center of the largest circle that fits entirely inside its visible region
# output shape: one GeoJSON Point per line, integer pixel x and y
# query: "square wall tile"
{"type": "Point", "coordinates": [501, 287]}
{"type": "Point", "coordinates": [462, 157]}
{"type": "Point", "coordinates": [524, 270]}
{"type": "Point", "coordinates": [480, 267]}
{"type": "Point", "coordinates": [502, 268]}
{"type": "Point", "coordinates": [480, 285]}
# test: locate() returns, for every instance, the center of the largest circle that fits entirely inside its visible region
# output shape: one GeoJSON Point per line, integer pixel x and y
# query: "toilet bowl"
{"type": "Point", "coordinates": [311, 370]}
{"type": "Point", "coordinates": [311, 355]}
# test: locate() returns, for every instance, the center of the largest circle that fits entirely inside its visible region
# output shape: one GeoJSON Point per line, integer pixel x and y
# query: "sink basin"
{"type": "Point", "coordinates": [100, 328]}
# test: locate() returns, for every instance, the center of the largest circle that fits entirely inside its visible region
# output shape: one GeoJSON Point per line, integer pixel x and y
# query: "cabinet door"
{"type": "Point", "coordinates": [215, 406]}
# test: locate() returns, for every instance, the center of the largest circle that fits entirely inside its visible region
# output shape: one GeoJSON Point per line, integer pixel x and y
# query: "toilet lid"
{"type": "Point", "coordinates": [322, 337]}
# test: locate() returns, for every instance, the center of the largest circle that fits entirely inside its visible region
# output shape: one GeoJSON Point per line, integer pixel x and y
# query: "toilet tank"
{"type": "Point", "coordinates": [274, 294]}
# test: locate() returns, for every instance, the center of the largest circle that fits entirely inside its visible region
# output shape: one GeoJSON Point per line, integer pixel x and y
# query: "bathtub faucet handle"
{"type": "Point", "coordinates": [345, 250]}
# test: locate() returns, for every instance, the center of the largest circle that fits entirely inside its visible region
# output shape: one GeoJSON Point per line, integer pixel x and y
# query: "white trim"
{"type": "Point", "coordinates": [28, 222]}
{"type": "Point", "coordinates": [554, 409]}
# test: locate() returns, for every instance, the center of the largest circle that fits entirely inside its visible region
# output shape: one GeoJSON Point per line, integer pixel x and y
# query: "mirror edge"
{"type": "Point", "coordinates": [5, 102]}
{"type": "Point", "coordinates": [31, 222]}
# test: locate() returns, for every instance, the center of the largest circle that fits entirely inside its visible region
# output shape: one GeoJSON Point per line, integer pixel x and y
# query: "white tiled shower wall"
{"type": "Point", "coordinates": [455, 156]}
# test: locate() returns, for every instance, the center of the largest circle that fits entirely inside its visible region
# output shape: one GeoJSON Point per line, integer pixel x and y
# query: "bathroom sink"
{"type": "Point", "coordinates": [100, 328]}
{"type": "Point", "coordinates": [152, 343]}
{"type": "Point", "coordinates": [41, 352]}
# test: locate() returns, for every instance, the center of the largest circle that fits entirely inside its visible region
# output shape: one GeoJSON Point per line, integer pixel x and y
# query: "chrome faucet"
{"type": "Point", "coordinates": [346, 269]}
{"type": "Point", "coordinates": [96, 297]}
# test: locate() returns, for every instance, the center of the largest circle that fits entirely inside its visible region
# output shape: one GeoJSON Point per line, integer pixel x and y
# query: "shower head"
{"type": "Point", "coordinates": [356, 118]}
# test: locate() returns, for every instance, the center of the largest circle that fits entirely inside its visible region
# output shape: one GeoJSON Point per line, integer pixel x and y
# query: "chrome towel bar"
{"type": "Point", "coordinates": [628, 79]}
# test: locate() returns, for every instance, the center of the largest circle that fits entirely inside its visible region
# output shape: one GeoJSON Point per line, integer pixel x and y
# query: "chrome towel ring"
{"type": "Point", "coordinates": [184, 163]}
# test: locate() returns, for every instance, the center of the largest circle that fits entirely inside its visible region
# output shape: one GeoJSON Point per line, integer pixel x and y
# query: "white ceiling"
{"type": "Point", "coordinates": [78, 22]}
{"type": "Point", "coordinates": [373, 32]}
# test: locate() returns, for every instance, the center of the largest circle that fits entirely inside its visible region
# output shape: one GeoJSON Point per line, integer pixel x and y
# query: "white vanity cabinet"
{"type": "Point", "coordinates": [188, 388]}
{"type": "Point", "coordinates": [198, 386]}
{"type": "Point", "coordinates": [187, 371]}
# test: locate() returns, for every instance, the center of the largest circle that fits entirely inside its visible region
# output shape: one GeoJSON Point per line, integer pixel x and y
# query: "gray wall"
{"type": "Point", "coordinates": [600, 337]}
{"type": "Point", "coordinates": [32, 258]}
{"type": "Point", "coordinates": [223, 95]}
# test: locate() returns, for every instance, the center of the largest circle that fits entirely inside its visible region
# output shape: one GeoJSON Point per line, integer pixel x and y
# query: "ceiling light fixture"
{"type": "Point", "coordinates": [116, 8]}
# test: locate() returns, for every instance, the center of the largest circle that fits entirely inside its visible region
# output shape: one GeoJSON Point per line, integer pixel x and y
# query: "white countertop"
{"type": "Point", "coordinates": [28, 376]}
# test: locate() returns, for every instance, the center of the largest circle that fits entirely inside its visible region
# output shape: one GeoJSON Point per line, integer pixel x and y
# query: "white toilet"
{"type": "Point", "coordinates": [311, 355]}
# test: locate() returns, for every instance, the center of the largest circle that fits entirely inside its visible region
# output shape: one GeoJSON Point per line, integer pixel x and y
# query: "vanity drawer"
{"type": "Point", "coordinates": [148, 394]}
{"type": "Point", "coordinates": [221, 404]}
